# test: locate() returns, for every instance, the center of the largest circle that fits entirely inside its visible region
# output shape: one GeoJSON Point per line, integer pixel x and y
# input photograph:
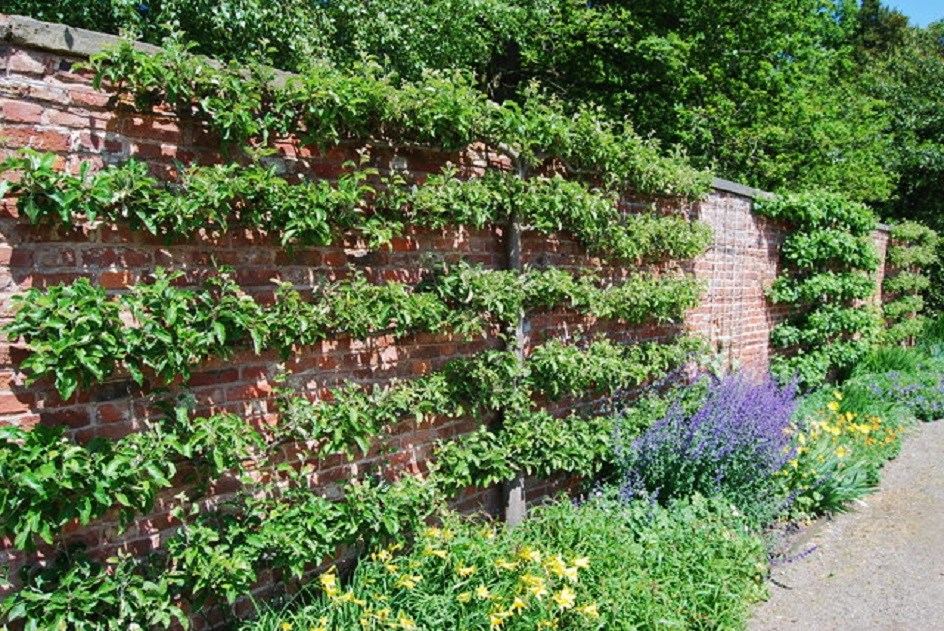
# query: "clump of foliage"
{"type": "Point", "coordinates": [827, 265]}
{"type": "Point", "coordinates": [913, 249]}
{"type": "Point", "coordinates": [571, 566]}
{"type": "Point", "coordinates": [732, 445]}
{"type": "Point", "coordinates": [76, 335]}
{"type": "Point", "coordinates": [325, 105]}
{"type": "Point", "coordinates": [215, 198]}
{"type": "Point", "coordinates": [77, 593]}
{"type": "Point", "coordinates": [840, 442]}
{"type": "Point", "coordinates": [803, 109]}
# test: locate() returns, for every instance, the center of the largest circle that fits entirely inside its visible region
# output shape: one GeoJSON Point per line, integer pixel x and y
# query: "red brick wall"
{"type": "Point", "coordinates": [47, 105]}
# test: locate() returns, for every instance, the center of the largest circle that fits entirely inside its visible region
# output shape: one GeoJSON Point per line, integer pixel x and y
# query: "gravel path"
{"type": "Point", "coordinates": [881, 566]}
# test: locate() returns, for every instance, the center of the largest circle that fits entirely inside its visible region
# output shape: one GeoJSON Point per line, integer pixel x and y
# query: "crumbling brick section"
{"type": "Point", "coordinates": [49, 105]}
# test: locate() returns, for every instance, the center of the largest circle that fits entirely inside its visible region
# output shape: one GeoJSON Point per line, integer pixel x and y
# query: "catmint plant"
{"type": "Point", "coordinates": [731, 445]}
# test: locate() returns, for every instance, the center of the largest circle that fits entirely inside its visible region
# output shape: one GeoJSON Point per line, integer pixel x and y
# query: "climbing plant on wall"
{"type": "Point", "coordinates": [912, 250]}
{"type": "Point", "coordinates": [827, 267]}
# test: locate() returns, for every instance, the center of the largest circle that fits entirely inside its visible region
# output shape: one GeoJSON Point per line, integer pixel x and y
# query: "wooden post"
{"type": "Point", "coordinates": [514, 502]}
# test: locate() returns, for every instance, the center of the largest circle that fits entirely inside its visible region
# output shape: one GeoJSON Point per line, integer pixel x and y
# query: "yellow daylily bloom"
{"type": "Point", "coordinates": [434, 552]}
{"type": "Point", "coordinates": [555, 565]}
{"type": "Point", "coordinates": [564, 598]}
{"type": "Point", "coordinates": [581, 562]}
{"type": "Point", "coordinates": [570, 573]}
{"type": "Point", "coordinates": [528, 553]}
{"type": "Point", "coordinates": [408, 582]}
{"type": "Point", "coordinates": [505, 564]}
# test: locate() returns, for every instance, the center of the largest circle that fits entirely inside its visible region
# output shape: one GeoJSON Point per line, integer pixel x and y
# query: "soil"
{"type": "Point", "coordinates": [879, 566]}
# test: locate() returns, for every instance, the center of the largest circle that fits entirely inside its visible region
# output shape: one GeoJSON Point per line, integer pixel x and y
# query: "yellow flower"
{"type": "Point", "coordinates": [495, 621]}
{"type": "Point", "coordinates": [406, 622]}
{"type": "Point", "coordinates": [448, 534]}
{"type": "Point", "coordinates": [570, 573]}
{"type": "Point", "coordinates": [328, 579]}
{"type": "Point", "coordinates": [794, 463]}
{"type": "Point", "coordinates": [408, 581]}
{"type": "Point", "coordinates": [564, 598]}
{"type": "Point", "coordinates": [383, 555]}
{"type": "Point", "coordinates": [518, 605]}
{"type": "Point", "coordinates": [392, 567]}
{"type": "Point", "coordinates": [838, 395]}
{"type": "Point", "coordinates": [534, 585]}
{"type": "Point", "coordinates": [582, 562]}
{"type": "Point", "coordinates": [348, 597]}
{"type": "Point", "coordinates": [841, 452]}
{"type": "Point", "coordinates": [590, 610]}
{"type": "Point", "coordinates": [487, 532]}
{"type": "Point", "coordinates": [464, 597]}
{"type": "Point", "coordinates": [433, 533]}
{"type": "Point", "coordinates": [286, 626]}
{"type": "Point", "coordinates": [528, 553]}
{"type": "Point", "coordinates": [555, 565]}
{"type": "Point", "coordinates": [434, 552]}
{"type": "Point", "coordinates": [505, 564]}
{"type": "Point", "coordinates": [832, 405]}
{"type": "Point", "coordinates": [468, 570]}
{"type": "Point", "coordinates": [482, 592]}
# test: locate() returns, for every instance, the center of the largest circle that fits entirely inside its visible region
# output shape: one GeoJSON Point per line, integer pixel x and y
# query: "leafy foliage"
{"type": "Point", "coordinates": [72, 331]}
{"type": "Point", "coordinates": [53, 481]}
{"type": "Point", "coordinates": [76, 593]}
{"type": "Point", "coordinates": [567, 564]}
{"type": "Point", "coordinates": [828, 263]}
{"type": "Point", "coordinates": [441, 108]}
{"type": "Point", "coordinates": [839, 444]}
{"type": "Point", "coordinates": [76, 335]}
{"type": "Point", "coordinates": [913, 249]}
{"type": "Point", "coordinates": [211, 199]}
{"type": "Point", "coordinates": [700, 551]}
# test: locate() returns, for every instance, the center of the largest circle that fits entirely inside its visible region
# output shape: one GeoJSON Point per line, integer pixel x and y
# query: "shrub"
{"type": "Point", "coordinates": [732, 445]}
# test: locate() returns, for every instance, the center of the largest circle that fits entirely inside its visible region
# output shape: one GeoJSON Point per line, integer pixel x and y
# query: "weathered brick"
{"type": "Point", "coordinates": [115, 280]}
{"type": "Point", "coordinates": [21, 111]}
{"type": "Point", "coordinates": [35, 138]}
{"type": "Point", "coordinates": [26, 62]}
{"type": "Point", "coordinates": [15, 403]}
